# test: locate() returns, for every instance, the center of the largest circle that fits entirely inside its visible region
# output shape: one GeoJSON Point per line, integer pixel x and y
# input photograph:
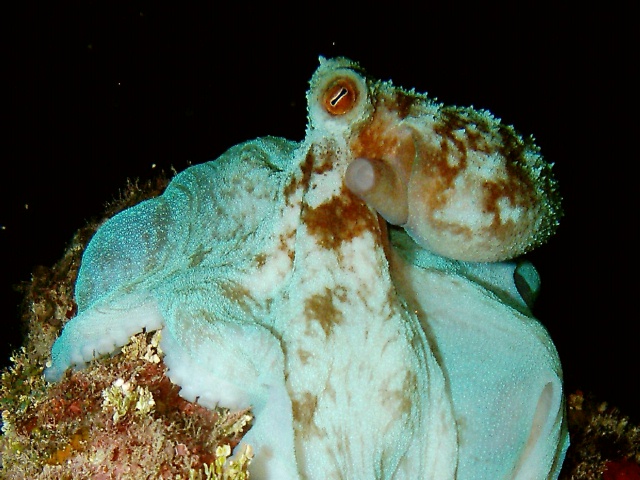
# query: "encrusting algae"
{"type": "Point", "coordinates": [121, 417]}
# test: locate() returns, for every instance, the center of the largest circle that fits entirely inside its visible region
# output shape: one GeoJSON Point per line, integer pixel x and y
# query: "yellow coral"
{"type": "Point", "coordinates": [225, 469]}
{"type": "Point", "coordinates": [123, 398]}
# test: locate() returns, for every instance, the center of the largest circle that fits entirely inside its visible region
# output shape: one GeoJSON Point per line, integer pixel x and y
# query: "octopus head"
{"type": "Point", "coordinates": [460, 182]}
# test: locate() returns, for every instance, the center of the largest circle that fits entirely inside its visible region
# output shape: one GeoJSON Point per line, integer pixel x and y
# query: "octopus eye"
{"type": "Point", "coordinates": [340, 97]}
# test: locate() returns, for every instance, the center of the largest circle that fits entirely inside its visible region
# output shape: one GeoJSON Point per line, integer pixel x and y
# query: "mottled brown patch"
{"type": "Point", "coordinates": [392, 294]}
{"type": "Point", "coordinates": [399, 401]}
{"type": "Point", "coordinates": [456, 229]}
{"type": "Point", "coordinates": [479, 131]}
{"type": "Point", "coordinates": [511, 144]}
{"type": "Point", "coordinates": [198, 256]}
{"type": "Point", "coordinates": [517, 193]}
{"type": "Point", "coordinates": [402, 104]}
{"type": "Point", "coordinates": [477, 140]}
{"type": "Point", "coordinates": [290, 189]}
{"type": "Point", "coordinates": [304, 409]}
{"type": "Point", "coordinates": [438, 176]}
{"type": "Point", "coordinates": [239, 295]}
{"type": "Point", "coordinates": [320, 307]}
{"type": "Point", "coordinates": [517, 188]}
{"type": "Point", "coordinates": [260, 260]}
{"type": "Point", "coordinates": [493, 193]}
{"type": "Point", "coordinates": [340, 219]}
{"type": "Point", "coordinates": [437, 172]}
{"type": "Point", "coordinates": [304, 356]}
{"type": "Point", "coordinates": [324, 161]}
{"type": "Point", "coordinates": [516, 149]}
{"type": "Point", "coordinates": [383, 139]}
{"type": "Point", "coordinates": [449, 121]}
{"type": "Point", "coordinates": [301, 181]}
{"type": "Point", "coordinates": [484, 135]}
{"type": "Point", "coordinates": [409, 386]}
{"type": "Point", "coordinates": [284, 244]}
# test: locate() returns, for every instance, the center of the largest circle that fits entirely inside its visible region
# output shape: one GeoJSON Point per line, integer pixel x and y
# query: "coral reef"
{"type": "Point", "coordinates": [604, 444]}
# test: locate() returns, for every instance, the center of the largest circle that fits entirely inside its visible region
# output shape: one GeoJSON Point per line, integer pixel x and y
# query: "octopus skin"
{"type": "Point", "coordinates": [360, 290]}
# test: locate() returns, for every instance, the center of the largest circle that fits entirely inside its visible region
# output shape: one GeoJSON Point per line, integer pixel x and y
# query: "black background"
{"type": "Point", "coordinates": [98, 92]}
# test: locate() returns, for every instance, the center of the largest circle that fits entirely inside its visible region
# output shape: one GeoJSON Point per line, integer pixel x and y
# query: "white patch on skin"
{"type": "Point", "coordinates": [276, 261]}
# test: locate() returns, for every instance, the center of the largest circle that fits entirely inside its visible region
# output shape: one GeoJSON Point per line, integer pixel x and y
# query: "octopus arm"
{"type": "Point", "coordinates": [211, 215]}
{"type": "Point", "coordinates": [503, 373]}
{"type": "Point", "coordinates": [221, 356]}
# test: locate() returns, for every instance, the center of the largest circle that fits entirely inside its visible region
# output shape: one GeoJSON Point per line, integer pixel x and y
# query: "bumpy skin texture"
{"type": "Point", "coordinates": [363, 354]}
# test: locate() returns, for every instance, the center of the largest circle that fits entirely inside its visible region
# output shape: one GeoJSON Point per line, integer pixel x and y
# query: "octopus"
{"type": "Point", "coordinates": [363, 290]}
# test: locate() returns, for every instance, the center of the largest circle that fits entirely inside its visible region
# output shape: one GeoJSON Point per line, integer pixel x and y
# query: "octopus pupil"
{"type": "Point", "coordinates": [339, 96]}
